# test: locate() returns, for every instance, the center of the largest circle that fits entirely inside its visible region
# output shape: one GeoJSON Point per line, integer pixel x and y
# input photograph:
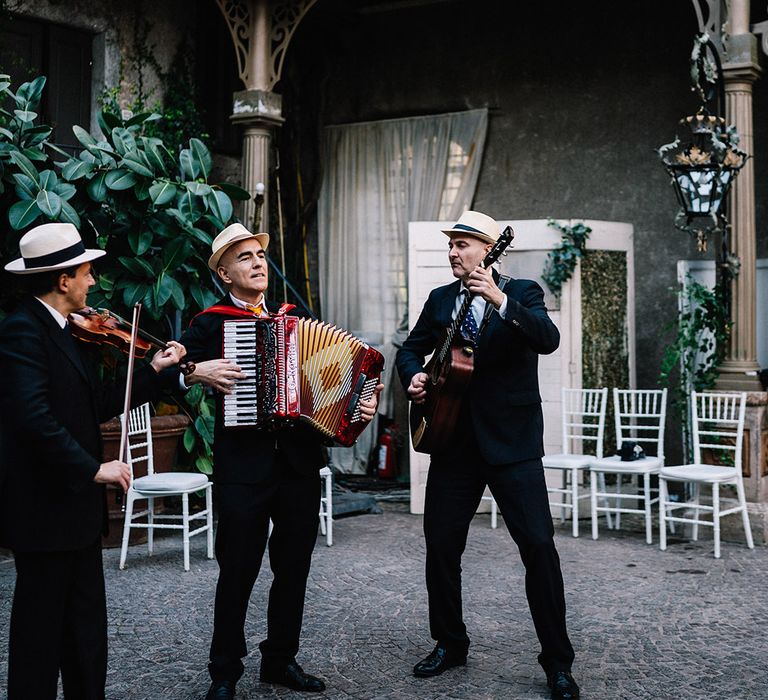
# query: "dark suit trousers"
{"type": "Point", "coordinates": [292, 502]}
{"type": "Point", "coordinates": [455, 486]}
{"type": "Point", "coordinates": [58, 621]}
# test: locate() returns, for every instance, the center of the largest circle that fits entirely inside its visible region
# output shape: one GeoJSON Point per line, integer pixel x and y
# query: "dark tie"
{"type": "Point", "coordinates": [468, 325]}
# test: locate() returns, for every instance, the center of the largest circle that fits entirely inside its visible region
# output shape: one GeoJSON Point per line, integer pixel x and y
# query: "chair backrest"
{"type": "Point", "coordinates": [583, 415]}
{"type": "Point", "coordinates": [140, 439]}
{"type": "Point", "coordinates": [639, 415]}
{"type": "Point", "coordinates": [718, 428]}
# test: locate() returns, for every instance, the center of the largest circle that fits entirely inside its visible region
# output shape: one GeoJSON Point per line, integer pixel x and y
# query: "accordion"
{"type": "Point", "coordinates": [299, 369]}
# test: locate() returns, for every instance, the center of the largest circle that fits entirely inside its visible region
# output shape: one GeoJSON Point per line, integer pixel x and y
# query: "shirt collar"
{"type": "Point", "coordinates": [60, 320]}
{"type": "Point", "coordinates": [239, 303]}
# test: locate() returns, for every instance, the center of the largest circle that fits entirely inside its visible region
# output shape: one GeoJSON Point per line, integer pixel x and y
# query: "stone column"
{"type": "Point", "coordinates": [259, 113]}
{"type": "Point", "coordinates": [739, 72]}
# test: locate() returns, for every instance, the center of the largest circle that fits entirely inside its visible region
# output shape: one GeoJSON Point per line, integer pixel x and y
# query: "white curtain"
{"type": "Point", "coordinates": [378, 177]}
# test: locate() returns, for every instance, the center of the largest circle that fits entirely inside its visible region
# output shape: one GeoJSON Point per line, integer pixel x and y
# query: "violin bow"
{"type": "Point", "coordinates": [123, 451]}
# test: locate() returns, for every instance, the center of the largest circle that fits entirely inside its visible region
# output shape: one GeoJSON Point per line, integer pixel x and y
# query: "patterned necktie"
{"type": "Point", "coordinates": [255, 309]}
{"type": "Point", "coordinates": [469, 325]}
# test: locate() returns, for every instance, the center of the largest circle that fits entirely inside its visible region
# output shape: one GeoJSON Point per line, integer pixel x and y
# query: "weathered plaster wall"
{"type": "Point", "coordinates": [112, 24]}
{"type": "Point", "coordinates": [579, 100]}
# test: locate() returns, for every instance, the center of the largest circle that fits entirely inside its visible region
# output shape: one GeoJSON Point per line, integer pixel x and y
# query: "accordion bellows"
{"type": "Point", "coordinates": [299, 369]}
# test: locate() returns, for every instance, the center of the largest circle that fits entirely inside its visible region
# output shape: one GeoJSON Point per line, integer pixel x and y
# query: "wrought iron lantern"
{"type": "Point", "coordinates": [703, 166]}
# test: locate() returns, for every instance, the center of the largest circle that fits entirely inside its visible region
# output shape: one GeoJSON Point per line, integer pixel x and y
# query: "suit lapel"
{"type": "Point", "coordinates": [447, 304]}
{"type": "Point", "coordinates": [56, 335]}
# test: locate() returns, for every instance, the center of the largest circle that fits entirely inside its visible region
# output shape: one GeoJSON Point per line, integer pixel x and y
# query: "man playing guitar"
{"type": "Point", "coordinates": [497, 441]}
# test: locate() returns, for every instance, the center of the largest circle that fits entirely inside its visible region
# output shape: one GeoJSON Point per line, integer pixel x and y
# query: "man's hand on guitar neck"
{"type": "Point", "coordinates": [417, 391]}
{"type": "Point", "coordinates": [480, 281]}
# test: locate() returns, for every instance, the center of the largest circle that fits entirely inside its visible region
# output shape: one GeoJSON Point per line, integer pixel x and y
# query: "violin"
{"type": "Point", "coordinates": [104, 326]}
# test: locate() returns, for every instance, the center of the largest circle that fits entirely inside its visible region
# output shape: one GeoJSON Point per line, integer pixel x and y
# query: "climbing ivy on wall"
{"type": "Point", "coordinates": [605, 342]}
{"type": "Point", "coordinates": [561, 262]}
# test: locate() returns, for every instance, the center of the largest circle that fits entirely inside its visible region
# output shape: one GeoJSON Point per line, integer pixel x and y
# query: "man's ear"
{"type": "Point", "coordinates": [221, 271]}
{"type": "Point", "coordinates": [62, 283]}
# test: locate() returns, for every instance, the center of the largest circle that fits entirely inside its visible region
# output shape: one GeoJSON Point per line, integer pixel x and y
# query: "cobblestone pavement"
{"type": "Point", "coordinates": [645, 624]}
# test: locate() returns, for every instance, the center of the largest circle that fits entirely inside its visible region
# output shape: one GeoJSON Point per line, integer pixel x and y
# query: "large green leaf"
{"type": "Point", "coordinates": [69, 215]}
{"type": "Point", "coordinates": [74, 169]}
{"type": "Point", "coordinates": [141, 118]}
{"type": "Point", "coordinates": [23, 213]}
{"type": "Point", "coordinates": [65, 190]}
{"type": "Point", "coordinates": [220, 205]}
{"type": "Point", "coordinates": [107, 121]}
{"type": "Point", "coordinates": [154, 154]}
{"type": "Point", "coordinates": [32, 90]}
{"type": "Point", "coordinates": [194, 395]}
{"type": "Point", "coordinates": [137, 266]}
{"type": "Point", "coordinates": [120, 179]}
{"type": "Point", "coordinates": [163, 289]}
{"type": "Point", "coordinates": [199, 189]}
{"type": "Point", "coordinates": [177, 294]}
{"type": "Point", "coordinates": [204, 425]}
{"type": "Point", "coordinates": [133, 292]}
{"type": "Point", "coordinates": [123, 141]}
{"type": "Point", "coordinates": [190, 206]}
{"type": "Point", "coordinates": [134, 160]}
{"type": "Point", "coordinates": [204, 464]}
{"type": "Point", "coordinates": [24, 115]}
{"type": "Point", "coordinates": [162, 192]}
{"type": "Point", "coordinates": [140, 240]}
{"type": "Point", "coordinates": [175, 253]}
{"type": "Point", "coordinates": [49, 203]}
{"type": "Point", "coordinates": [48, 180]}
{"type": "Point", "coordinates": [26, 188]}
{"type": "Point", "coordinates": [83, 136]}
{"type": "Point", "coordinates": [202, 156]}
{"type": "Point", "coordinates": [234, 191]}
{"type": "Point", "coordinates": [36, 135]}
{"type": "Point", "coordinates": [97, 187]}
{"type": "Point", "coordinates": [34, 154]}
{"type": "Point", "coordinates": [190, 436]}
{"type": "Point", "coordinates": [190, 168]}
{"type": "Point", "coordinates": [201, 235]}
{"type": "Point", "coordinates": [25, 165]}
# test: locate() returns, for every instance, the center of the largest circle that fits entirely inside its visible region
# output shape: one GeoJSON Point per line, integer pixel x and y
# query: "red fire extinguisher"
{"type": "Point", "coordinates": [386, 462]}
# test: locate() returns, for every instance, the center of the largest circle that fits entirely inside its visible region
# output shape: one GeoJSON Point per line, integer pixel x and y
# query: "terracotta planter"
{"type": "Point", "coordinates": [166, 434]}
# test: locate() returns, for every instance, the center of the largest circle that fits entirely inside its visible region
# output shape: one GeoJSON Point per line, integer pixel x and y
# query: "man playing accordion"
{"type": "Point", "coordinates": [261, 475]}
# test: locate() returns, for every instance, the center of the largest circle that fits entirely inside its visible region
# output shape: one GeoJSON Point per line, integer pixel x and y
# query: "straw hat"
{"type": "Point", "coordinates": [51, 247]}
{"type": "Point", "coordinates": [473, 223]}
{"type": "Point", "coordinates": [234, 233]}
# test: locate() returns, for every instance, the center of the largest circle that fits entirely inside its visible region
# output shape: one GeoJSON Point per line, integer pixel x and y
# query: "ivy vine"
{"type": "Point", "coordinates": [699, 344]}
{"type": "Point", "coordinates": [561, 262]}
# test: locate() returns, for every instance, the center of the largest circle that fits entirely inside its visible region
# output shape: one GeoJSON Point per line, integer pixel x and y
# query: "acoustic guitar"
{"type": "Point", "coordinates": [433, 422]}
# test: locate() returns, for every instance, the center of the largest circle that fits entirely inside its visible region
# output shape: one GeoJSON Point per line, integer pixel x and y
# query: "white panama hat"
{"type": "Point", "coordinates": [234, 233]}
{"type": "Point", "coordinates": [51, 247]}
{"type": "Point", "coordinates": [473, 223]}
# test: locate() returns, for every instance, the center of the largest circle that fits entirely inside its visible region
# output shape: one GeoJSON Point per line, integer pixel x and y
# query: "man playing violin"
{"type": "Point", "coordinates": [52, 484]}
{"type": "Point", "coordinates": [261, 476]}
{"type": "Point", "coordinates": [498, 443]}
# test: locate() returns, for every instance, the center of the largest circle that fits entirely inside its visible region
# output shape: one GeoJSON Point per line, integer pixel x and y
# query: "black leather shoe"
{"type": "Point", "coordinates": [438, 661]}
{"type": "Point", "coordinates": [221, 690]}
{"type": "Point", "coordinates": [563, 686]}
{"type": "Point", "coordinates": [292, 676]}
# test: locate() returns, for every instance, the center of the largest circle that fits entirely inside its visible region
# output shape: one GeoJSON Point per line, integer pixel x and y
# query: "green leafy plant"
{"type": "Point", "coordinates": [697, 347]}
{"type": "Point", "coordinates": [561, 262]}
{"type": "Point", "coordinates": [153, 211]}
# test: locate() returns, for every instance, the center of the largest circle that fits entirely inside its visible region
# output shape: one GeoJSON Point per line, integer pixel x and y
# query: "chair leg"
{"type": "Point", "coordinates": [617, 521]}
{"type": "Point", "coordinates": [716, 517]}
{"type": "Point", "coordinates": [329, 511]}
{"type": "Point", "coordinates": [209, 518]}
{"type": "Point", "coordinates": [647, 491]}
{"type": "Point", "coordinates": [696, 496]}
{"type": "Point", "coordinates": [322, 515]}
{"type": "Point", "coordinates": [185, 531]}
{"type": "Point", "coordinates": [126, 527]}
{"type": "Point", "coordinates": [563, 496]}
{"type": "Point", "coordinates": [744, 514]}
{"type": "Point", "coordinates": [575, 502]}
{"type": "Point", "coordinates": [494, 513]}
{"type": "Point", "coordinates": [593, 479]}
{"type": "Point", "coordinates": [150, 522]}
{"type": "Point", "coordinates": [606, 502]}
{"type": "Point", "coordinates": [662, 514]}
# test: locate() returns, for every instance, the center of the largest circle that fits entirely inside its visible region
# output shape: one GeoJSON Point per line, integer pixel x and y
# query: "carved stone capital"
{"type": "Point", "coordinates": [257, 106]}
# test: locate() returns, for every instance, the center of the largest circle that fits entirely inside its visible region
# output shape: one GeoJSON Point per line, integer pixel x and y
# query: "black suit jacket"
{"type": "Point", "coordinates": [246, 455]}
{"type": "Point", "coordinates": [503, 402]}
{"type": "Point", "coordinates": [51, 405]}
